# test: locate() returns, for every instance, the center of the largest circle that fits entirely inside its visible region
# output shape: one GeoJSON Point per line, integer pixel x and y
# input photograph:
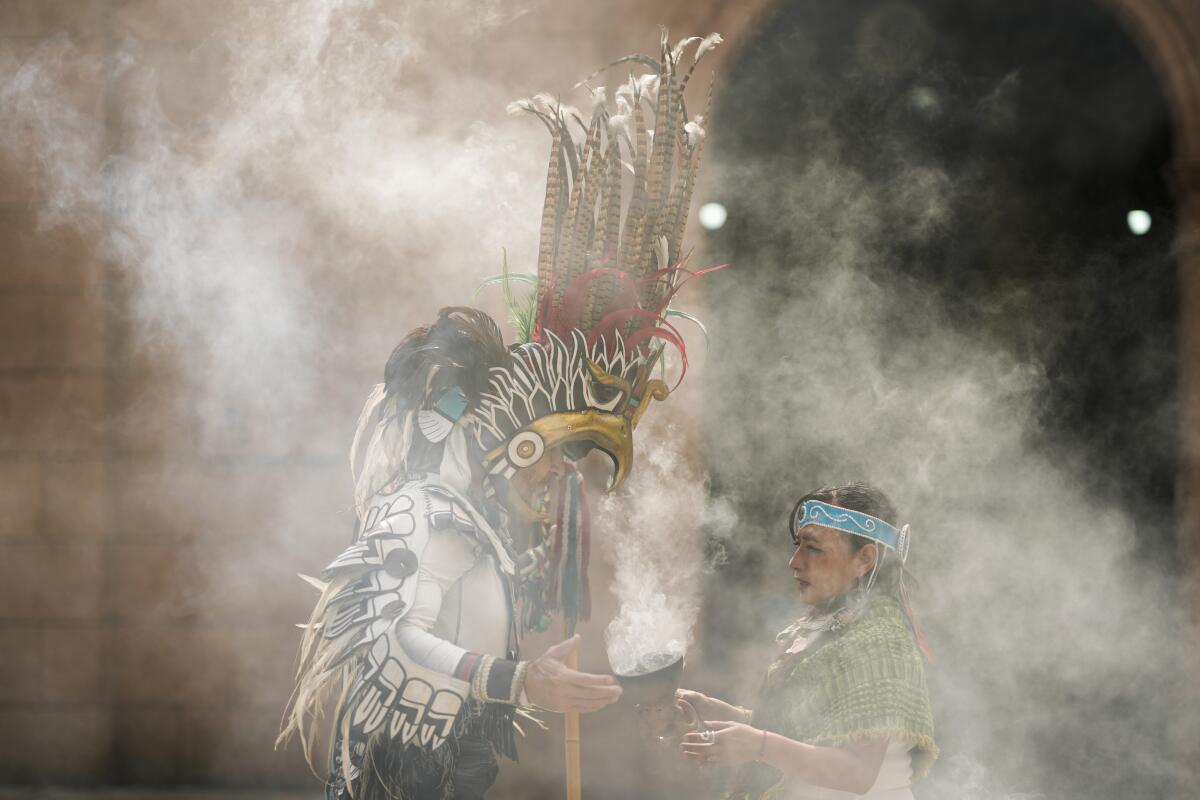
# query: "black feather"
{"type": "Point", "coordinates": [462, 346]}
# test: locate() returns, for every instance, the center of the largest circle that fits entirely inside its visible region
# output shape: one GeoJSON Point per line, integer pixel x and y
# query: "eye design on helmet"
{"type": "Point", "coordinates": [526, 449]}
{"type": "Point", "coordinates": [605, 391]}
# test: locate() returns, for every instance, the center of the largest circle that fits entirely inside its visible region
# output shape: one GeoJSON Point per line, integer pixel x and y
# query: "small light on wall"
{"type": "Point", "coordinates": [713, 215]}
{"type": "Point", "coordinates": [1138, 220]}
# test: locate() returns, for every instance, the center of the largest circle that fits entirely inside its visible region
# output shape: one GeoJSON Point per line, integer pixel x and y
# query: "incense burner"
{"type": "Point", "coordinates": [651, 688]}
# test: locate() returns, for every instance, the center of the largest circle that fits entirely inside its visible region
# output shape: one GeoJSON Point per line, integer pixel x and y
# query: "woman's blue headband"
{"type": "Point", "coordinates": [815, 512]}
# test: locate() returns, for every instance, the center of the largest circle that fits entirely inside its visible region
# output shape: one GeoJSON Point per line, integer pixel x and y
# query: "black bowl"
{"type": "Point", "coordinates": [654, 681]}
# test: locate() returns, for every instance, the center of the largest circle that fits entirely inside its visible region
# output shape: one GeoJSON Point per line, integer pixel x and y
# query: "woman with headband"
{"type": "Point", "coordinates": [844, 709]}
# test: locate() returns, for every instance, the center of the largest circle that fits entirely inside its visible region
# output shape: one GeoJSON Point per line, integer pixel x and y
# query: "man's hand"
{"type": "Point", "coordinates": [712, 708]}
{"type": "Point", "coordinates": [552, 685]}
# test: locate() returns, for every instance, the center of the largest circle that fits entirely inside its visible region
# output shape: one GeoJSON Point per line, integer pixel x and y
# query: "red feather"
{"type": "Point", "coordinates": [661, 330]}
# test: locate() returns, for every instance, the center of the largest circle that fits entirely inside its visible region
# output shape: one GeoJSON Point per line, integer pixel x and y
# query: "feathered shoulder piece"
{"type": "Point", "coordinates": [431, 378]}
{"type": "Point", "coordinates": [618, 192]}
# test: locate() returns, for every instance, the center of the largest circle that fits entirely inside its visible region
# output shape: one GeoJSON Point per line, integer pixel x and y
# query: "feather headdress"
{"type": "Point", "coordinates": [606, 266]}
{"type": "Point", "coordinates": [597, 315]}
{"type": "Point", "coordinates": [610, 261]}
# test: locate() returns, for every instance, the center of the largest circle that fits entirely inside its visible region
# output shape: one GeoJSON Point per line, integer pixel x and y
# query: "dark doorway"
{"type": "Point", "coordinates": [980, 158]}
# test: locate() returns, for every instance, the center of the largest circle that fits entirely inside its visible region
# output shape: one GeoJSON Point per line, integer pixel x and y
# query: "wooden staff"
{"type": "Point", "coordinates": [571, 737]}
{"type": "Point", "coordinates": [573, 541]}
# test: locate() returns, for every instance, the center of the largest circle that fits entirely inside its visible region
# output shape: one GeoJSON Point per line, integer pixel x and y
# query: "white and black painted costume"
{"type": "Point", "coordinates": [413, 646]}
{"type": "Point", "coordinates": [423, 603]}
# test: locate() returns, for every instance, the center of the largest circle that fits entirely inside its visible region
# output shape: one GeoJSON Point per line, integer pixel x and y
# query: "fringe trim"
{"type": "Point", "coordinates": [395, 772]}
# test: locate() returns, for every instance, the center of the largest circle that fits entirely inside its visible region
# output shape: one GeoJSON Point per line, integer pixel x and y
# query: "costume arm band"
{"type": "Point", "coordinates": [492, 679]}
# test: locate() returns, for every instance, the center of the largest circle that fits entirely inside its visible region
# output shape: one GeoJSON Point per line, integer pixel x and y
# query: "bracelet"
{"type": "Point", "coordinates": [519, 698]}
{"type": "Point", "coordinates": [762, 748]}
{"type": "Point", "coordinates": [499, 680]}
{"type": "Point", "coordinates": [479, 680]}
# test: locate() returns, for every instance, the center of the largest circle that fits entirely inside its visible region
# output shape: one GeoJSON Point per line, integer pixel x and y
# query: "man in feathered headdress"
{"type": "Point", "coordinates": [473, 524]}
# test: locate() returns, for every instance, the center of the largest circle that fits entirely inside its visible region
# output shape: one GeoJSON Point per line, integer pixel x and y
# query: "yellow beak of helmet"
{"type": "Point", "coordinates": [611, 433]}
{"type": "Point", "coordinates": [609, 429]}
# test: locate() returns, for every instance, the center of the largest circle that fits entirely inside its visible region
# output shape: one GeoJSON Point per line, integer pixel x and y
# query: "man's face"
{"type": "Point", "coordinates": [534, 485]}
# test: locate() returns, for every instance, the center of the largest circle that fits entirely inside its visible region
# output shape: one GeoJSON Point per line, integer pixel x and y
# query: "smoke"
{"type": "Point", "coordinates": [251, 169]}
{"type": "Point", "coordinates": [652, 537]}
{"type": "Point", "coordinates": [279, 192]}
{"type": "Point", "coordinates": [1053, 623]}
{"type": "Point", "coordinates": [289, 151]}
{"type": "Point", "coordinates": [1030, 584]}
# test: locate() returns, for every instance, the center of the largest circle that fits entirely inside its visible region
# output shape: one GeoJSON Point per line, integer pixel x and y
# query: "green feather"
{"type": "Point", "coordinates": [520, 312]}
{"type": "Point", "coordinates": [673, 312]}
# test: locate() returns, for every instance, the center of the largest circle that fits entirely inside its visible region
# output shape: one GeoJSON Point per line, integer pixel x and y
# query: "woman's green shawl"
{"type": "Point", "coordinates": [865, 681]}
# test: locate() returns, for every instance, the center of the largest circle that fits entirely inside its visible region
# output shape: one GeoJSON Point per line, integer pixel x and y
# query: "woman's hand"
{"type": "Point", "coordinates": [552, 685]}
{"type": "Point", "coordinates": [712, 708]}
{"type": "Point", "coordinates": [724, 744]}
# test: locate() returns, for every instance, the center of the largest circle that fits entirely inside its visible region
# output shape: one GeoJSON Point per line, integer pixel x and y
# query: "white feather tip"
{"type": "Point", "coordinates": [317, 584]}
{"type": "Point", "coordinates": [518, 107]}
{"type": "Point", "coordinates": [710, 41]}
{"type": "Point", "coordinates": [683, 44]}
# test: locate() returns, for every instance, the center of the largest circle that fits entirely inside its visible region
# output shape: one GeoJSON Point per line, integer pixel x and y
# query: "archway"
{"type": "Point", "coordinates": [936, 166]}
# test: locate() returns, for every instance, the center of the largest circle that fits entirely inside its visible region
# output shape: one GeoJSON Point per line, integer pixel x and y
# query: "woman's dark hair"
{"type": "Point", "coordinates": [891, 576]}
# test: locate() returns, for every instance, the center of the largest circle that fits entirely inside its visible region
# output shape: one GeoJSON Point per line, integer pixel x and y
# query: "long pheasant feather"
{"type": "Point", "coordinates": [609, 248]}
{"type": "Point", "coordinates": [708, 43]}
{"type": "Point", "coordinates": [660, 165]}
{"type": "Point", "coordinates": [631, 234]}
{"type": "Point", "coordinates": [697, 151]}
{"type": "Point", "coordinates": [667, 124]}
{"type": "Point", "coordinates": [565, 267]}
{"type": "Point", "coordinates": [591, 171]}
{"type": "Point", "coordinates": [549, 237]}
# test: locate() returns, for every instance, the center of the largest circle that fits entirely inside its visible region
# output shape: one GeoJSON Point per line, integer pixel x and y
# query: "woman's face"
{"type": "Point", "coordinates": [823, 565]}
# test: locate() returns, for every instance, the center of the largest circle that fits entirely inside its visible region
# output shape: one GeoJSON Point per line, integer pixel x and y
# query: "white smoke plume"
{"type": "Point", "coordinates": [652, 535]}
{"type": "Point", "coordinates": [294, 148]}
